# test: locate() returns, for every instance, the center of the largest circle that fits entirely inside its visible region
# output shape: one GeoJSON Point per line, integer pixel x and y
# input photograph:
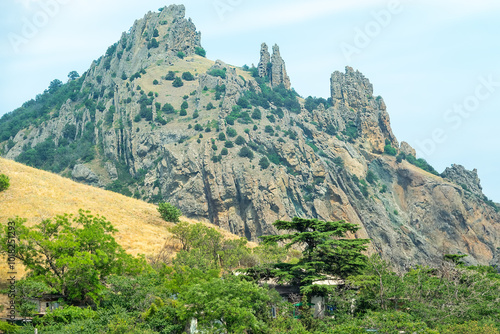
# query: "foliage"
{"type": "Point", "coordinates": [326, 252]}
{"type": "Point", "coordinates": [245, 152]}
{"type": "Point", "coordinates": [228, 304]}
{"type": "Point", "coordinates": [240, 141]}
{"type": "Point", "coordinates": [264, 163]}
{"type": "Point", "coordinates": [181, 54]}
{"type": "Point", "coordinates": [231, 132]}
{"type": "Point", "coordinates": [200, 51]}
{"type": "Point", "coordinates": [177, 82]}
{"type": "Point", "coordinates": [4, 182]}
{"type": "Point", "coordinates": [217, 73]}
{"type": "Point", "coordinates": [421, 163]}
{"type": "Point", "coordinates": [170, 76]}
{"type": "Point", "coordinates": [169, 212]}
{"type": "Point", "coordinates": [71, 255]}
{"type": "Point", "coordinates": [187, 76]}
{"type": "Point", "coordinates": [388, 149]}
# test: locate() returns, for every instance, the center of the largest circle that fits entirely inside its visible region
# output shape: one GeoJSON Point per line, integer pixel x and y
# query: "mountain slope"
{"type": "Point", "coordinates": [235, 146]}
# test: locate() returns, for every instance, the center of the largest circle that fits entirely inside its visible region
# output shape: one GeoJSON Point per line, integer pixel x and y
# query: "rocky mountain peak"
{"type": "Point", "coordinates": [469, 180]}
{"type": "Point", "coordinates": [352, 89]}
{"type": "Point", "coordinates": [273, 66]}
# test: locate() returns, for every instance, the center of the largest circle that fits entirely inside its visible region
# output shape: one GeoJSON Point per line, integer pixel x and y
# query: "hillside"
{"type": "Point", "coordinates": [155, 119]}
{"type": "Point", "coordinates": [36, 195]}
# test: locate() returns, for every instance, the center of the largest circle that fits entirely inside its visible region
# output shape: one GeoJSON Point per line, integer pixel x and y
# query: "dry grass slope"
{"type": "Point", "coordinates": [36, 195]}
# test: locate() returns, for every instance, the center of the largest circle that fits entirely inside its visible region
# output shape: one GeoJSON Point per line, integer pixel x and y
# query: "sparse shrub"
{"type": "Point", "coordinates": [187, 76]}
{"type": "Point", "coordinates": [245, 152]}
{"type": "Point", "coordinates": [169, 212]}
{"type": "Point", "coordinates": [170, 75]}
{"type": "Point", "coordinates": [231, 132]}
{"type": "Point", "coordinates": [4, 182]}
{"type": "Point", "coordinates": [240, 141]}
{"type": "Point", "coordinates": [177, 82]}
{"type": "Point", "coordinates": [388, 149]}
{"type": "Point", "coordinates": [264, 163]}
{"type": "Point", "coordinates": [371, 177]}
{"type": "Point", "coordinates": [200, 51]}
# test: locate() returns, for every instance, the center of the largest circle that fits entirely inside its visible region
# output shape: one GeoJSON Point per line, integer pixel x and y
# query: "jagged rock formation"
{"type": "Point", "coordinates": [127, 125]}
{"type": "Point", "coordinates": [469, 180]}
{"type": "Point", "coordinates": [273, 67]}
{"type": "Point", "coordinates": [265, 60]}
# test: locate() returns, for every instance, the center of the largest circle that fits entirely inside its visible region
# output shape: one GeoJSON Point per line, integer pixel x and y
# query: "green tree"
{"type": "Point", "coordinates": [245, 152]}
{"type": "Point", "coordinates": [264, 163]}
{"type": "Point", "coordinates": [177, 82]}
{"type": "Point", "coordinates": [240, 141]}
{"type": "Point", "coordinates": [4, 182]}
{"type": "Point", "coordinates": [187, 76]}
{"type": "Point", "coordinates": [326, 252]}
{"type": "Point", "coordinates": [231, 132]}
{"type": "Point", "coordinates": [170, 76]}
{"type": "Point", "coordinates": [200, 51]}
{"type": "Point", "coordinates": [73, 75]}
{"type": "Point", "coordinates": [181, 54]}
{"type": "Point", "coordinates": [229, 304]}
{"type": "Point", "coordinates": [169, 212]}
{"type": "Point", "coordinates": [71, 255]}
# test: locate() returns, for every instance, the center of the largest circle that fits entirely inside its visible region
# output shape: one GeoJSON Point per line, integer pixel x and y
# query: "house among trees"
{"type": "Point", "coordinates": [47, 303]}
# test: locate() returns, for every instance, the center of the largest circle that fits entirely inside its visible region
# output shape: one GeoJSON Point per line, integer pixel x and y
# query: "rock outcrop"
{"type": "Point", "coordinates": [468, 180]}
{"type": "Point", "coordinates": [273, 67]}
{"type": "Point", "coordinates": [265, 61]}
{"type": "Point", "coordinates": [242, 157]}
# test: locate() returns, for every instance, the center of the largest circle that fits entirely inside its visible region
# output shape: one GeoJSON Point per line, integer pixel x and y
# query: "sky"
{"type": "Point", "coordinates": [435, 63]}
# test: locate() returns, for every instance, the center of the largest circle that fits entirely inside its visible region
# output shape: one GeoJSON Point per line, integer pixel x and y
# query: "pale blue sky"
{"type": "Point", "coordinates": [436, 63]}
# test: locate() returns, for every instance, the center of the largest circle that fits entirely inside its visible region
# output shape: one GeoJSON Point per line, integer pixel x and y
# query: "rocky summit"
{"type": "Point", "coordinates": [155, 119]}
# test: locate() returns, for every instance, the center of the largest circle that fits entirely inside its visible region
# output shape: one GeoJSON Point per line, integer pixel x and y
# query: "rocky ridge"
{"type": "Point", "coordinates": [327, 161]}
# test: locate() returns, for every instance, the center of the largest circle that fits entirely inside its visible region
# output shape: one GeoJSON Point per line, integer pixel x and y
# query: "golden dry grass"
{"type": "Point", "coordinates": [37, 195]}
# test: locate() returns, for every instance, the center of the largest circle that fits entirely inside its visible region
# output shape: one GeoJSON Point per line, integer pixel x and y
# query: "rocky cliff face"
{"type": "Point", "coordinates": [227, 148]}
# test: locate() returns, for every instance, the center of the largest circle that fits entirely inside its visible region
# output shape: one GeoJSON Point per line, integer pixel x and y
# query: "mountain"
{"type": "Point", "coordinates": [237, 147]}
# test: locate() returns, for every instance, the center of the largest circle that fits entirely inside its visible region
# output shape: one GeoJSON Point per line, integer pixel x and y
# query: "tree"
{"type": "Point", "coordinates": [240, 141]}
{"type": "Point", "coordinates": [200, 51]}
{"type": "Point", "coordinates": [73, 75]}
{"type": "Point", "coordinates": [71, 255]}
{"type": "Point", "coordinates": [230, 304]}
{"type": "Point", "coordinates": [55, 85]}
{"type": "Point", "coordinates": [184, 105]}
{"type": "Point", "coordinates": [170, 76]}
{"type": "Point", "coordinates": [177, 82]}
{"type": "Point", "coordinates": [245, 152]}
{"type": "Point", "coordinates": [187, 76]}
{"type": "Point", "coordinates": [256, 114]}
{"type": "Point", "coordinates": [326, 252]}
{"type": "Point", "coordinates": [169, 212]}
{"type": "Point", "coordinates": [181, 54]}
{"type": "Point", "coordinates": [4, 182]}
{"type": "Point", "coordinates": [264, 163]}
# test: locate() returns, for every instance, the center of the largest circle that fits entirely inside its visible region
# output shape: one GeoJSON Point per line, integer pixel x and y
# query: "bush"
{"type": "Point", "coordinates": [169, 212]}
{"type": "Point", "coordinates": [264, 163]}
{"type": "Point", "coordinates": [170, 75]}
{"type": "Point", "coordinates": [240, 141]}
{"type": "Point", "coordinates": [231, 132]}
{"type": "Point", "coordinates": [217, 73]}
{"type": "Point", "coordinates": [181, 54]}
{"type": "Point", "coordinates": [245, 152]}
{"type": "Point", "coordinates": [155, 82]}
{"type": "Point", "coordinates": [388, 149]}
{"type": "Point", "coordinates": [4, 182]}
{"type": "Point", "coordinates": [224, 151]}
{"type": "Point", "coordinates": [184, 105]}
{"type": "Point", "coordinates": [228, 144]}
{"type": "Point", "coordinates": [187, 76]}
{"type": "Point", "coordinates": [256, 114]}
{"type": "Point", "coordinates": [183, 112]}
{"type": "Point", "coordinates": [177, 82]}
{"type": "Point", "coordinates": [200, 51]}
{"type": "Point", "coordinates": [222, 136]}
{"type": "Point", "coordinates": [210, 106]}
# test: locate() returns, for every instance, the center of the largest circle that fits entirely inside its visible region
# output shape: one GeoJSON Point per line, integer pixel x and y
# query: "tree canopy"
{"type": "Point", "coordinates": [326, 252]}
